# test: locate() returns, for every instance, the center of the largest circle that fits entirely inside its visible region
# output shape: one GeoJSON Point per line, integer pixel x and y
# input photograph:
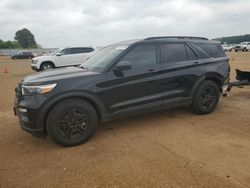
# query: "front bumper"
{"type": "Point", "coordinates": [26, 123]}
{"type": "Point", "coordinates": [27, 110]}
{"type": "Point", "coordinates": [34, 68]}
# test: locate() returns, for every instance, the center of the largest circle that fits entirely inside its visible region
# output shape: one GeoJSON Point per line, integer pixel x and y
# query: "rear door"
{"type": "Point", "coordinates": [138, 87]}
{"type": "Point", "coordinates": [80, 54]}
{"type": "Point", "coordinates": [178, 71]}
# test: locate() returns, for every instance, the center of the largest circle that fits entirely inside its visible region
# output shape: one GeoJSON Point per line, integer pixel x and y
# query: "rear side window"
{"type": "Point", "coordinates": [174, 53]}
{"type": "Point", "coordinates": [80, 50]}
{"type": "Point", "coordinates": [214, 50]}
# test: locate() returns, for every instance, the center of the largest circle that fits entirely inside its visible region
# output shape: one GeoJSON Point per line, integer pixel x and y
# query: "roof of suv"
{"type": "Point", "coordinates": [170, 39]}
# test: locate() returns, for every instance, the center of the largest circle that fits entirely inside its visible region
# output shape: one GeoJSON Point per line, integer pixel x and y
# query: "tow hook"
{"type": "Point", "coordinates": [226, 90]}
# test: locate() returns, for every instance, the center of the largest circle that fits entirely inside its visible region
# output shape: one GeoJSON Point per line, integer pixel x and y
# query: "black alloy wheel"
{"type": "Point", "coordinates": [72, 122]}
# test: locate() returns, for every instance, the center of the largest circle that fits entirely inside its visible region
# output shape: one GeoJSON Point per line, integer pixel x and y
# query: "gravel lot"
{"type": "Point", "coordinates": [175, 148]}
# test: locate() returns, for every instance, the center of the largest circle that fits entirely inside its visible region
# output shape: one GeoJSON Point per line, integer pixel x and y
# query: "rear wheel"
{"type": "Point", "coordinates": [206, 97]}
{"type": "Point", "coordinates": [46, 66]}
{"type": "Point", "coordinates": [72, 122]}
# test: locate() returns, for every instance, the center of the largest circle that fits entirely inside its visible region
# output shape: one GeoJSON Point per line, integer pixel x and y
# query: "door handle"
{"type": "Point", "coordinates": [196, 62]}
{"type": "Point", "coordinates": [151, 70]}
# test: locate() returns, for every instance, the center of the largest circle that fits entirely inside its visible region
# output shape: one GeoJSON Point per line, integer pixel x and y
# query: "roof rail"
{"type": "Point", "coordinates": [176, 37]}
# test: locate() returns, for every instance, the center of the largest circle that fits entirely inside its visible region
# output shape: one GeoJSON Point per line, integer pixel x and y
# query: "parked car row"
{"type": "Point", "coordinates": [62, 57]}
{"type": "Point", "coordinates": [244, 47]}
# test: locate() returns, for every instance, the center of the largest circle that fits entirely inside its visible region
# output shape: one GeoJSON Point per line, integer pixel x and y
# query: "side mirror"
{"type": "Point", "coordinates": [59, 54]}
{"type": "Point", "coordinates": [123, 65]}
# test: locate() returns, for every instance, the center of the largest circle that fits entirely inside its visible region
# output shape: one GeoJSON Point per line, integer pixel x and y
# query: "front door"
{"type": "Point", "coordinates": [137, 87]}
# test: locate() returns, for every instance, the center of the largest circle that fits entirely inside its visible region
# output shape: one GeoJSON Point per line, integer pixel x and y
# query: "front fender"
{"type": "Point", "coordinates": [48, 105]}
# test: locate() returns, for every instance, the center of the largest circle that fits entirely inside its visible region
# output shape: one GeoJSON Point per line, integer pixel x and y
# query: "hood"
{"type": "Point", "coordinates": [43, 57]}
{"type": "Point", "coordinates": [56, 75]}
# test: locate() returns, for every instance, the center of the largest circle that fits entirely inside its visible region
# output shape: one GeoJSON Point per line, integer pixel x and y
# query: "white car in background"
{"type": "Point", "coordinates": [63, 57]}
{"type": "Point", "coordinates": [227, 47]}
{"type": "Point", "coordinates": [245, 46]}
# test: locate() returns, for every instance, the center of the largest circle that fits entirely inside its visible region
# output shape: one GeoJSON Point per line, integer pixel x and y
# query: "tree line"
{"type": "Point", "coordinates": [234, 39]}
{"type": "Point", "coordinates": [23, 39]}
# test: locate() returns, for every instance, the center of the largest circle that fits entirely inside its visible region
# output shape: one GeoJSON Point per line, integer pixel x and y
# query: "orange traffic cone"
{"type": "Point", "coordinates": [5, 69]}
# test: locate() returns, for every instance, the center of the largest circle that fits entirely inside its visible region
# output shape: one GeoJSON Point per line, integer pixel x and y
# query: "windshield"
{"type": "Point", "coordinates": [102, 59]}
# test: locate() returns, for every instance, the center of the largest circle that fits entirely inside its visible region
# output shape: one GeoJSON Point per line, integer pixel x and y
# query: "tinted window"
{"type": "Point", "coordinates": [191, 55]}
{"type": "Point", "coordinates": [214, 50]}
{"type": "Point", "coordinates": [28, 53]}
{"type": "Point", "coordinates": [103, 58]}
{"type": "Point", "coordinates": [81, 50]}
{"type": "Point", "coordinates": [174, 53]}
{"type": "Point", "coordinates": [141, 56]}
{"type": "Point", "coordinates": [66, 51]}
{"type": "Point", "coordinates": [87, 50]}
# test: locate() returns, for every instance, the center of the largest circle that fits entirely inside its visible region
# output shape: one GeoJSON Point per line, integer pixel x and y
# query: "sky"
{"type": "Point", "coordinates": [60, 23]}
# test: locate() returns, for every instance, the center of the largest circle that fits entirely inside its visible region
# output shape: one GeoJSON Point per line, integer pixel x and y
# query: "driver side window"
{"type": "Point", "coordinates": [66, 51]}
{"type": "Point", "coordinates": [141, 56]}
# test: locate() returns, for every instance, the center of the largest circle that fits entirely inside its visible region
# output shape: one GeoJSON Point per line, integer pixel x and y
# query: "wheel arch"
{"type": "Point", "coordinates": [213, 76]}
{"type": "Point", "coordinates": [91, 98]}
{"type": "Point", "coordinates": [47, 61]}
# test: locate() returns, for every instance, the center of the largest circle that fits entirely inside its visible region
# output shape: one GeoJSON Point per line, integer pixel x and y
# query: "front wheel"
{"type": "Point", "coordinates": [46, 66]}
{"type": "Point", "coordinates": [206, 97]}
{"type": "Point", "coordinates": [72, 122]}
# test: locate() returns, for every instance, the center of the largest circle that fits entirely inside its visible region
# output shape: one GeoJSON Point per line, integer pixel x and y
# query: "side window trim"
{"type": "Point", "coordinates": [201, 54]}
{"type": "Point", "coordinates": [192, 50]}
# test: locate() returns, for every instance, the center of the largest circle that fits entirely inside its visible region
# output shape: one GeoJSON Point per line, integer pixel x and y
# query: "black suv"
{"type": "Point", "coordinates": [123, 79]}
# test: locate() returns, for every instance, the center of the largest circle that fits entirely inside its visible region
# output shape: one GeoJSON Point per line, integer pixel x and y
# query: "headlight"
{"type": "Point", "coordinates": [34, 61]}
{"type": "Point", "coordinates": [30, 90]}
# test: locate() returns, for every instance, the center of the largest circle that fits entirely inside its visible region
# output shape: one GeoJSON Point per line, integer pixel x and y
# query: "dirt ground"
{"type": "Point", "coordinates": [175, 148]}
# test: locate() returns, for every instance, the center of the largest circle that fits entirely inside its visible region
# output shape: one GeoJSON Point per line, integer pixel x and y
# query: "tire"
{"type": "Point", "coordinates": [236, 50]}
{"type": "Point", "coordinates": [46, 66]}
{"type": "Point", "coordinates": [72, 122]}
{"type": "Point", "coordinates": [206, 97]}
